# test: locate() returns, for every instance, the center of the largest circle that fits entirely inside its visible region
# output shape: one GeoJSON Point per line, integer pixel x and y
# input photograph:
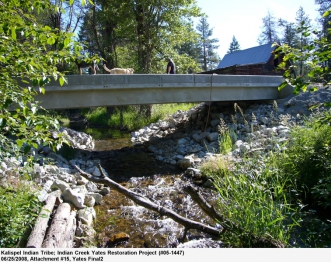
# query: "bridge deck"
{"type": "Point", "coordinates": [112, 90]}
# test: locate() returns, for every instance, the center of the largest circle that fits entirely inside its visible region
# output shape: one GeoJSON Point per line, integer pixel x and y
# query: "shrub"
{"type": "Point", "coordinates": [18, 208]}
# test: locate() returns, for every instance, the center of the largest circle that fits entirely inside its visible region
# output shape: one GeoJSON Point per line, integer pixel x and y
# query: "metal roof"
{"type": "Point", "coordinates": [255, 55]}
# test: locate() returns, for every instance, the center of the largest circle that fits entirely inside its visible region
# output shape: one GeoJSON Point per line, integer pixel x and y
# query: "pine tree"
{"type": "Point", "coordinates": [269, 30]}
{"type": "Point", "coordinates": [324, 5]}
{"type": "Point", "coordinates": [302, 22]}
{"type": "Point", "coordinates": [209, 57]}
{"type": "Point", "coordinates": [289, 35]}
{"type": "Point", "coordinates": [234, 46]}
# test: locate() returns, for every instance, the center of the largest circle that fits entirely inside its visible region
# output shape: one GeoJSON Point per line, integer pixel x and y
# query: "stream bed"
{"type": "Point", "coordinates": [122, 223]}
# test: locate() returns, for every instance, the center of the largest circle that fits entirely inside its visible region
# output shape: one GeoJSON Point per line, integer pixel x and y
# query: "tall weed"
{"type": "Point", "coordinates": [226, 137]}
{"type": "Point", "coordinates": [257, 204]}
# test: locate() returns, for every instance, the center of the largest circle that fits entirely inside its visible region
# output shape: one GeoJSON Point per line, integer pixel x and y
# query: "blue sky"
{"type": "Point", "coordinates": [243, 18]}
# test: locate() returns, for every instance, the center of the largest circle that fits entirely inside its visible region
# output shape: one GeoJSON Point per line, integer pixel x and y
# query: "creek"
{"type": "Point", "coordinates": [122, 223]}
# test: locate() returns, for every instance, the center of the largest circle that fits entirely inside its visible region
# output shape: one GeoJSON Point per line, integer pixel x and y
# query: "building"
{"type": "Point", "coordinates": [259, 60]}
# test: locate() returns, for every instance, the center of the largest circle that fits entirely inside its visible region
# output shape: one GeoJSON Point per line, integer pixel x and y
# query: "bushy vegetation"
{"type": "Point", "coordinates": [19, 207]}
{"type": "Point", "coordinates": [283, 198]}
{"type": "Point", "coordinates": [132, 118]}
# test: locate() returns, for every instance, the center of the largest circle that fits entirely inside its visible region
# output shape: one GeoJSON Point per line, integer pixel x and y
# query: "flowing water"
{"type": "Point", "coordinates": [122, 223]}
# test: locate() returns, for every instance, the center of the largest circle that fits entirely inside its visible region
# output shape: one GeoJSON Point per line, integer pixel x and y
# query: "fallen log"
{"type": "Point", "coordinates": [143, 201]}
{"type": "Point", "coordinates": [56, 232]}
{"type": "Point", "coordinates": [203, 204]}
{"type": "Point", "coordinates": [210, 210]}
{"type": "Point", "coordinates": [68, 239]}
{"type": "Point", "coordinates": [39, 230]}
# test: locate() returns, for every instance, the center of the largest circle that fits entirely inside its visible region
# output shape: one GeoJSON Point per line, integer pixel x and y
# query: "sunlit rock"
{"type": "Point", "coordinates": [73, 197]}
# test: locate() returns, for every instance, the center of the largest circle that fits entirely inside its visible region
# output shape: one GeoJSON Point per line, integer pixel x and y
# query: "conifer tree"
{"type": "Point", "coordinates": [234, 46]}
{"type": "Point", "coordinates": [208, 56]}
{"type": "Point", "coordinates": [269, 30]}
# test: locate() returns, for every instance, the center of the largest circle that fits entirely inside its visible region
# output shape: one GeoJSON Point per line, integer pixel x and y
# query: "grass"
{"type": "Point", "coordinates": [255, 202]}
{"type": "Point", "coordinates": [284, 197]}
{"type": "Point", "coordinates": [226, 139]}
{"type": "Point", "coordinates": [132, 118]}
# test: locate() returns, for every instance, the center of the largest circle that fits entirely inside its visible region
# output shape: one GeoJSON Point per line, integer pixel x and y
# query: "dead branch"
{"type": "Point", "coordinates": [187, 223]}
{"type": "Point", "coordinates": [141, 200]}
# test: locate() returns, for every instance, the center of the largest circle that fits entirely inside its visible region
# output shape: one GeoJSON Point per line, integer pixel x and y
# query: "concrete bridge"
{"type": "Point", "coordinates": [114, 90]}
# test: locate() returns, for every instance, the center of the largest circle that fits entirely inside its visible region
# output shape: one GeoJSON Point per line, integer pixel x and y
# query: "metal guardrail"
{"type": "Point", "coordinates": [113, 90]}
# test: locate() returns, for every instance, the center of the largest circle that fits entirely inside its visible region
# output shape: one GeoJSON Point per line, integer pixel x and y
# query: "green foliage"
{"type": "Point", "coordinates": [308, 162]}
{"type": "Point", "coordinates": [314, 232]}
{"type": "Point", "coordinates": [208, 58]}
{"type": "Point", "coordinates": [313, 54]}
{"type": "Point", "coordinates": [283, 198]}
{"type": "Point", "coordinates": [215, 168]}
{"type": "Point", "coordinates": [269, 30]}
{"type": "Point", "coordinates": [27, 63]}
{"type": "Point", "coordinates": [256, 203]}
{"type": "Point", "coordinates": [19, 208]}
{"type": "Point", "coordinates": [132, 118]}
{"type": "Point", "coordinates": [140, 34]}
{"type": "Point", "coordinates": [227, 138]}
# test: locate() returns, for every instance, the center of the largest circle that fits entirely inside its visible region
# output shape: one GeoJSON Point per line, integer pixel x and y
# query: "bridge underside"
{"type": "Point", "coordinates": [114, 90]}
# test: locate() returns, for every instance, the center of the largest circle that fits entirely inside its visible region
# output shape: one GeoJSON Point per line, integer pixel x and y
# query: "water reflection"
{"type": "Point", "coordinates": [107, 139]}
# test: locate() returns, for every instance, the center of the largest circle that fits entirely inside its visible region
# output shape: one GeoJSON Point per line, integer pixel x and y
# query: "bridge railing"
{"type": "Point", "coordinates": [112, 90]}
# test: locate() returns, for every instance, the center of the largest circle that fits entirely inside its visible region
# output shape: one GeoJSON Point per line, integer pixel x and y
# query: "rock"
{"type": "Point", "coordinates": [96, 196]}
{"type": "Point", "coordinates": [80, 189]}
{"type": "Point", "coordinates": [196, 137]}
{"type": "Point", "coordinates": [87, 216]}
{"type": "Point", "coordinates": [209, 183]}
{"type": "Point", "coordinates": [58, 184]}
{"type": "Point", "coordinates": [215, 122]}
{"type": "Point", "coordinates": [104, 191]}
{"type": "Point", "coordinates": [201, 243]}
{"type": "Point", "coordinates": [181, 141]}
{"type": "Point", "coordinates": [212, 136]}
{"type": "Point", "coordinates": [115, 239]}
{"type": "Point", "coordinates": [73, 197]}
{"type": "Point", "coordinates": [96, 172]}
{"type": "Point", "coordinates": [152, 149]}
{"type": "Point", "coordinates": [185, 162]}
{"type": "Point", "coordinates": [193, 173]}
{"type": "Point", "coordinates": [91, 187]}
{"type": "Point", "coordinates": [39, 171]}
{"type": "Point", "coordinates": [89, 201]}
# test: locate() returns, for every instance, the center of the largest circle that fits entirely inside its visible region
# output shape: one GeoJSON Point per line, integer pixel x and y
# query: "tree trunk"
{"type": "Point", "coordinates": [146, 110]}
{"type": "Point", "coordinates": [111, 110]}
{"type": "Point", "coordinates": [39, 230]}
{"type": "Point", "coordinates": [57, 230]}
